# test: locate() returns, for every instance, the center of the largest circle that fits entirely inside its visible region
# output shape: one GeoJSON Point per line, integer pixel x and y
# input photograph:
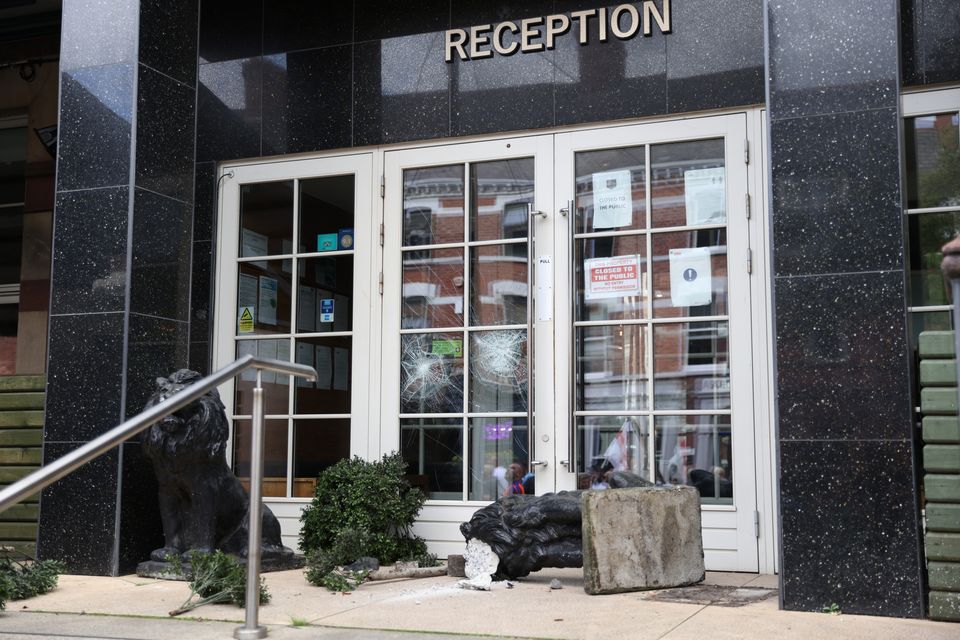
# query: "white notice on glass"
{"type": "Point", "coordinates": [690, 278]}
{"type": "Point", "coordinates": [267, 301]}
{"type": "Point", "coordinates": [324, 367]}
{"type": "Point", "coordinates": [268, 349]}
{"type": "Point", "coordinates": [253, 244]}
{"type": "Point", "coordinates": [247, 348]}
{"type": "Point", "coordinates": [247, 291]}
{"type": "Point", "coordinates": [304, 356]}
{"type": "Point", "coordinates": [544, 288]}
{"type": "Point", "coordinates": [704, 196]}
{"type": "Point", "coordinates": [283, 354]}
{"type": "Point", "coordinates": [611, 277]}
{"type": "Point", "coordinates": [341, 369]}
{"type": "Point", "coordinates": [306, 311]}
{"type": "Point", "coordinates": [612, 199]}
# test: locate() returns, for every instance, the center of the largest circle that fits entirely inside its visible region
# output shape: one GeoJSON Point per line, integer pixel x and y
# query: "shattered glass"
{"type": "Point", "coordinates": [431, 373]}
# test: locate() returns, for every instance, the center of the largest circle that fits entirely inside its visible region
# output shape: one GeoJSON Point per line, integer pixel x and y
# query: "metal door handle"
{"type": "Point", "coordinates": [538, 463]}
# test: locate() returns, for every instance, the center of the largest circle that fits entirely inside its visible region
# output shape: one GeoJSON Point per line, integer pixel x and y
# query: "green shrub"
{"type": "Point", "coordinates": [21, 580]}
{"type": "Point", "coordinates": [373, 500]}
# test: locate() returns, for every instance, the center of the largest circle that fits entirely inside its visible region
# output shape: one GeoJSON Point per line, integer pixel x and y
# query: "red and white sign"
{"type": "Point", "coordinates": [612, 277]}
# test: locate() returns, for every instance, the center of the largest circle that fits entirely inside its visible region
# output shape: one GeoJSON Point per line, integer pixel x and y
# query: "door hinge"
{"type": "Point", "coordinates": [381, 234]}
{"type": "Point", "coordinates": [749, 260]}
{"type": "Point", "coordinates": [380, 283]}
{"type": "Point", "coordinates": [383, 187]}
{"type": "Point", "coordinates": [747, 199]}
{"type": "Point", "coordinates": [756, 524]}
{"type": "Point", "coordinates": [746, 151]}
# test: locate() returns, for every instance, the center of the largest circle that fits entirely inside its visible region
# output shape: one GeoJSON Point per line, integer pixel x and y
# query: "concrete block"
{"type": "Point", "coordinates": [938, 400]}
{"type": "Point", "coordinates": [944, 576]}
{"type": "Point", "coordinates": [945, 606]}
{"type": "Point", "coordinates": [943, 547]}
{"type": "Point", "coordinates": [936, 344]}
{"type": "Point", "coordinates": [641, 538]}
{"type": "Point", "coordinates": [941, 429]}
{"type": "Point", "coordinates": [938, 373]}
{"type": "Point", "coordinates": [939, 487]}
{"type": "Point", "coordinates": [943, 517]}
{"type": "Point", "coordinates": [456, 566]}
{"type": "Point", "coordinates": [941, 458]}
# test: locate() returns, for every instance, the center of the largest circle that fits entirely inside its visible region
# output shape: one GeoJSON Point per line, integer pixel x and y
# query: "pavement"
{"type": "Point", "coordinates": [726, 605]}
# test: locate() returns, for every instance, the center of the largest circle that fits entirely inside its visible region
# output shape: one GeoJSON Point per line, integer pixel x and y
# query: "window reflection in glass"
{"type": "Point", "coordinates": [433, 451]}
{"type": "Point", "coordinates": [933, 160]}
{"type": "Point", "coordinates": [266, 219]}
{"type": "Point", "coordinates": [274, 455]}
{"type": "Point", "coordinates": [611, 443]}
{"type": "Point", "coordinates": [433, 205]}
{"type": "Point", "coordinates": [431, 373]}
{"type": "Point", "coordinates": [498, 371]}
{"type": "Point", "coordinates": [611, 190]}
{"type": "Point", "coordinates": [688, 183]}
{"type": "Point", "coordinates": [612, 368]}
{"type": "Point", "coordinates": [500, 192]}
{"type": "Point", "coordinates": [432, 289]}
{"type": "Point", "coordinates": [696, 451]}
{"type": "Point", "coordinates": [495, 444]}
{"type": "Point", "coordinates": [498, 291]}
{"type": "Point", "coordinates": [691, 366]}
{"type": "Point", "coordinates": [690, 273]}
{"type": "Point", "coordinates": [928, 232]}
{"type": "Point", "coordinates": [612, 278]}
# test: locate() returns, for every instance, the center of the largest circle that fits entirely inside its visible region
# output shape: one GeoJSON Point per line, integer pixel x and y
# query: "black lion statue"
{"type": "Point", "coordinates": [203, 506]}
{"type": "Point", "coordinates": [529, 533]}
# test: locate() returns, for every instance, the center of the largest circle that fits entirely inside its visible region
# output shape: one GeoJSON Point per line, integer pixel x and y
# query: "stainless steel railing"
{"type": "Point", "coordinates": [69, 463]}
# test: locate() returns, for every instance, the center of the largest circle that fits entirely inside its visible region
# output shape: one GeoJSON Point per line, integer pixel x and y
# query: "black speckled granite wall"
{"type": "Point", "coordinates": [849, 521]}
{"type": "Point", "coordinates": [120, 295]}
{"type": "Point", "coordinates": [930, 41]}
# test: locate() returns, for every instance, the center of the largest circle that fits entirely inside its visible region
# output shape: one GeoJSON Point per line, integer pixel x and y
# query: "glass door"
{"type": "Point", "coordinates": [653, 318]}
{"type": "Point", "coordinates": [457, 319]}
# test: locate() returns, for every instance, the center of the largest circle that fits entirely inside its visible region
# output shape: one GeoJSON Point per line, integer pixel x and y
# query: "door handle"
{"type": "Point", "coordinates": [538, 463]}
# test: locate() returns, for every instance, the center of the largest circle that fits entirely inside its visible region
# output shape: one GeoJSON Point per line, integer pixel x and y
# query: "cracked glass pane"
{"type": "Point", "coordinates": [500, 192]}
{"type": "Point", "coordinates": [432, 289]}
{"type": "Point", "coordinates": [433, 205]}
{"type": "Point", "coordinates": [498, 371]}
{"type": "Point", "coordinates": [498, 285]}
{"type": "Point", "coordinates": [431, 373]}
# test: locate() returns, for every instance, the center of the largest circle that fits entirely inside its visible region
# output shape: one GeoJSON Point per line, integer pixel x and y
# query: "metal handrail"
{"type": "Point", "coordinates": [72, 461]}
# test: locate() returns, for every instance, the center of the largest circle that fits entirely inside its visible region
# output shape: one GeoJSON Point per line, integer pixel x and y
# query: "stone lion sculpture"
{"type": "Point", "coordinates": [529, 533]}
{"type": "Point", "coordinates": [203, 506]}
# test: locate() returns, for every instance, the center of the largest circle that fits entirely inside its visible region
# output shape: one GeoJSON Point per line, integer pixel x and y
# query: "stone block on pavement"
{"type": "Point", "coordinates": [641, 538]}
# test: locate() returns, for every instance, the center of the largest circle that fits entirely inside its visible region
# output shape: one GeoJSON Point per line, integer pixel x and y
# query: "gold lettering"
{"type": "Point", "coordinates": [528, 33]}
{"type": "Point", "coordinates": [556, 25]}
{"type": "Point", "coordinates": [454, 40]}
{"type": "Point", "coordinates": [480, 35]}
{"type": "Point", "coordinates": [615, 21]}
{"type": "Point", "coordinates": [498, 38]}
{"type": "Point", "coordinates": [582, 16]}
{"type": "Point", "coordinates": [663, 20]}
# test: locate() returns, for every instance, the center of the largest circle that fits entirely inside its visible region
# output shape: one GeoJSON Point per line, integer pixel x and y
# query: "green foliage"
{"type": "Point", "coordinates": [21, 580]}
{"type": "Point", "coordinates": [322, 564]}
{"type": "Point", "coordinates": [833, 609]}
{"type": "Point", "coordinates": [370, 497]}
{"type": "Point", "coordinates": [217, 577]}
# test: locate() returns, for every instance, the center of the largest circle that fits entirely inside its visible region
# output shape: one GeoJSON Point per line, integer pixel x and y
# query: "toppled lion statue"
{"type": "Point", "coordinates": [203, 506]}
{"type": "Point", "coordinates": [529, 533]}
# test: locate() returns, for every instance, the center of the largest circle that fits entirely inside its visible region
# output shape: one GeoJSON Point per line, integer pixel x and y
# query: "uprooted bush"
{"type": "Point", "coordinates": [217, 577]}
{"type": "Point", "coordinates": [360, 509]}
{"type": "Point", "coordinates": [21, 580]}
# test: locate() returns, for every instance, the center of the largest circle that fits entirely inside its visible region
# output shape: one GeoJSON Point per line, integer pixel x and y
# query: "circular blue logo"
{"type": "Point", "coordinates": [690, 275]}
